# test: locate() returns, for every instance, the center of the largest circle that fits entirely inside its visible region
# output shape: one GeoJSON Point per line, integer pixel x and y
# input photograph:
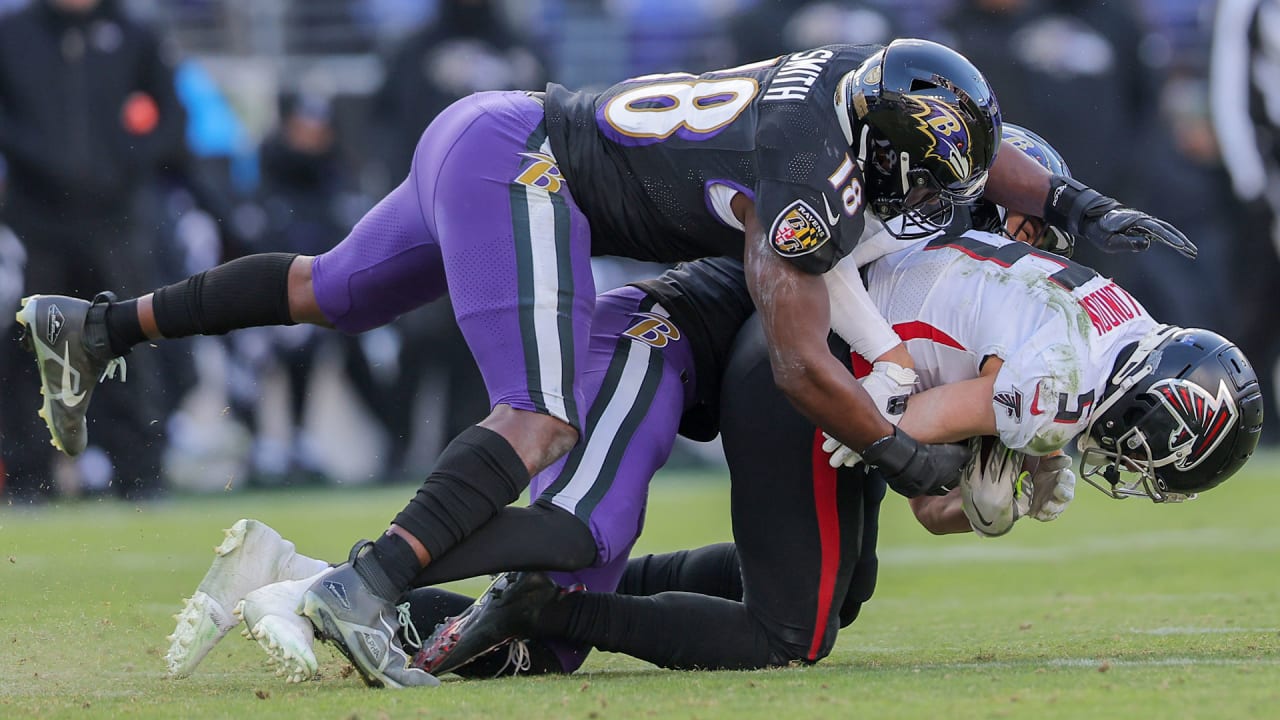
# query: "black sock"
{"type": "Point", "coordinates": [477, 475]}
{"type": "Point", "coordinates": [675, 630]}
{"type": "Point", "coordinates": [123, 329]}
{"type": "Point", "coordinates": [397, 559]}
{"type": "Point", "coordinates": [542, 537]}
{"type": "Point", "coordinates": [251, 291]}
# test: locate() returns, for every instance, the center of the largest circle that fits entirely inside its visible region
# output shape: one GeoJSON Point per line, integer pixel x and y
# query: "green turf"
{"type": "Point", "coordinates": [1117, 610]}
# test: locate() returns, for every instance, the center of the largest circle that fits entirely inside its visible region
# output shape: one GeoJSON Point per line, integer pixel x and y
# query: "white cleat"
{"type": "Point", "coordinates": [271, 617]}
{"type": "Point", "coordinates": [251, 555]}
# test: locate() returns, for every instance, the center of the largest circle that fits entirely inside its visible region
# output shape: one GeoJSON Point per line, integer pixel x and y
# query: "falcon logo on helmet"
{"type": "Point", "coordinates": [1202, 420]}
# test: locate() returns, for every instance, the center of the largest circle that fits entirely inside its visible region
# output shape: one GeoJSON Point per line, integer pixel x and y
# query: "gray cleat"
{"type": "Point", "coordinates": [348, 608]}
{"type": "Point", "coordinates": [69, 338]}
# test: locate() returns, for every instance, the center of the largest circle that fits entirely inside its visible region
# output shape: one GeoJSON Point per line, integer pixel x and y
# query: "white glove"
{"type": "Point", "coordinates": [888, 384]}
{"type": "Point", "coordinates": [841, 454]}
{"type": "Point", "coordinates": [1049, 490]}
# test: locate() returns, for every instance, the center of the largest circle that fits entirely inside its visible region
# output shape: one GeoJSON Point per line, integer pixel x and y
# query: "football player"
{"type": "Point", "coordinates": [658, 350]}
{"type": "Point", "coordinates": [1009, 341]}
{"type": "Point", "coordinates": [803, 589]}
{"type": "Point", "coordinates": [509, 195]}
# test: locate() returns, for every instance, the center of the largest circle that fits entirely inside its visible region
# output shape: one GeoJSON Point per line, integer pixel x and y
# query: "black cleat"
{"type": "Point", "coordinates": [507, 610]}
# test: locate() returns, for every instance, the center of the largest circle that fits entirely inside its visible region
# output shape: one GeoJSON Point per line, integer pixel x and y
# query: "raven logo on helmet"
{"type": "Point", "coordinates": [947, 132]}
{"type": "Point", "coordinates": [1202, 420]}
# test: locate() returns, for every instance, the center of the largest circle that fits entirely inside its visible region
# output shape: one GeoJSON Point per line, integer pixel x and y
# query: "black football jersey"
{"type": "Point", "coordinates": [708, 301]}
{"type": "Point", "coordinates": [653, 160]}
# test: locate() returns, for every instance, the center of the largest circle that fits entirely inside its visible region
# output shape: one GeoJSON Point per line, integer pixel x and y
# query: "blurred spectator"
{"type": "Point", "coordinates": [1074, 71]}
{"type": "Point", "coordinates": [87, 111]}
{"type": "Point", "coordinates": [466, 49]}
{"type": "Point", "coordinates": [1071, 71]}
{"type": "Point", "coordinates": [774, 27]}
{"type": "Point", "coordinates": [302, 179]}
{"type": "Point", "coordinates": [1245, 101]}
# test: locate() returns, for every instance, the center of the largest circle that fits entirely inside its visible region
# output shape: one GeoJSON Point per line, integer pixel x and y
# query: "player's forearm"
{"type": "Point", "coordinates": [941, 515]}
{"type": "Point", "coordinates": [855, 317]}
{"type": "Point", "coordinates": [1018, 182]}
{"type": "Point", "coordinates": [826, 393]}
{"type": "Point", "coordinates": [951, 413]}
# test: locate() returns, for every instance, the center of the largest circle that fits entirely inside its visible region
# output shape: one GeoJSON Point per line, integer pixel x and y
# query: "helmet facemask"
{"type": "Point", "coordinates": [1037, 233]}
{"type": "Point", "coordinates": [1111, 445]}
{"type": "Point", "coordinates": [906, 196]}
{"type": "Point", "coordinates": [1130, 456]}
{"type": "Point", "coordinates": [925, 125]}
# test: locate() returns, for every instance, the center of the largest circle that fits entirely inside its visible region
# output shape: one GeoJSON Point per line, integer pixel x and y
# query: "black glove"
{"type": "Point", "coordinates": [1084, 212]}
{"type": "Point", "coordinates": [913, 469]}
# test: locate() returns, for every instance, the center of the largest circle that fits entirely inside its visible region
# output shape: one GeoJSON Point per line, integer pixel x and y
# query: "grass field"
{"type": "Point", "coordinates": [1117, 610]}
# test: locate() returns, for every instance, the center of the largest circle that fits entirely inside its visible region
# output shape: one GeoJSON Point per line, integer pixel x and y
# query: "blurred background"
{"type": "Point", "coordinates": [145, 140]}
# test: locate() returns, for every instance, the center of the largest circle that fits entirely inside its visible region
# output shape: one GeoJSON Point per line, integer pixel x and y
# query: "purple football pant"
{"type": "Point", "coordinates": [639, 378]}
{"type": "Point", "coordinates": [484, 216]}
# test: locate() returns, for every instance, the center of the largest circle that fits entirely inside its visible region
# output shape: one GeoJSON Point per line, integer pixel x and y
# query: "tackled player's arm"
{"type": "Point", "coordinates": [956, 411]}
{"type": "Point", "coordinates": [950, 413]}
{"type": "Point", "coordinates": [796, 316]}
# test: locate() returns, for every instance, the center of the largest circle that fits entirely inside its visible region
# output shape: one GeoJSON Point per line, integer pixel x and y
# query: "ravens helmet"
{"type": "Point", "coordinates": [1182, 412]}
{"type": "Point", "coordinates": [925, 126]}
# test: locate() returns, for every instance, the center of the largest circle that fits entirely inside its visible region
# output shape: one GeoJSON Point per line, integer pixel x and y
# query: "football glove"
{"type": "Point", "coordinates": [1049, 489]}
{"type": "Point", "coordinates": [992, 486]}
{"type": "Point", "coordinates": [889, 384]}
{"type": "Point", "coordinates": [1084, 212]}
{"type": "Point", "coordinates": [840, 453]}
{"type": "Point", "coordinates": [912, 468]}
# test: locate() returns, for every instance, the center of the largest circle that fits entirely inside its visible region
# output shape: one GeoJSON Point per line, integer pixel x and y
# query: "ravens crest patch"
{"type": "Point", "coordinates": [798, 230]}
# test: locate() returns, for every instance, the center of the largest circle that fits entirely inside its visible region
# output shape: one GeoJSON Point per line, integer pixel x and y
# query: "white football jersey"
{"type": "Point", "coordinates": [1058, 327]}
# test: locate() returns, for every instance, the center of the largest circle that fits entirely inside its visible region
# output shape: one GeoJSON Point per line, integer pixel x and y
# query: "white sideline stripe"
{"type": "Point", "coordinates": [546, 299]}
{"type": "Point", "coordinates": [1096, 662]}
{"type": "Point", "coordinates": [1199, 630]}
{"type": "Point", "coordinates": [1003, 550]}
{"type": "Point", "coordinates": [603, 435]}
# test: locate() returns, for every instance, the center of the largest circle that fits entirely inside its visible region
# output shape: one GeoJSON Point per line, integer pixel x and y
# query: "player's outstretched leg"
{"type": "Point", "coordinates": [350, 606]}
{"type": "Point", "coordinates": [506, 610]}
{"type": "Point", "coordinates": [69, 339]}
{"type": "Point", "coordinates": [271, 617]}
{"type": "Point", "coordinates": [250, 556]}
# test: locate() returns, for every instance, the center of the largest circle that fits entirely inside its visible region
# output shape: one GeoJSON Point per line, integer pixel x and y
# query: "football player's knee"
{"type": "Point", "coordinates": [563, 436]}
{"type": "Point", "coordinates": [575, 545]}
{"type": "Point", "coordinates": [796, 645]}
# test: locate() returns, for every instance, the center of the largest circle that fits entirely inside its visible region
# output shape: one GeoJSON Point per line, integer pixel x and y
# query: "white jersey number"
{"type": "Point", "coordinates": [699, 107]}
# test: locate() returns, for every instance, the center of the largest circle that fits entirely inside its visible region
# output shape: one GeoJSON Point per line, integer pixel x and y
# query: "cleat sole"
{"type": "Point", "coordinates": [195, 635]}
{"type": "Point", "coordinates": [314, 607]}
{"type": "Point", "coordinates": [26, 316]}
